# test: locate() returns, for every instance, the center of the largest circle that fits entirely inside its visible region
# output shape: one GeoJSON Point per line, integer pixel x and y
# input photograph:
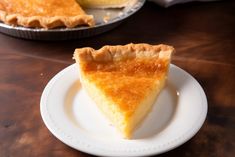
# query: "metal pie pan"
{"type": "Point", "coordinates": [116, 16]}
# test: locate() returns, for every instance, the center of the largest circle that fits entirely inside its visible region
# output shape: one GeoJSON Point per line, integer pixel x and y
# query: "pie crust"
{"type": "Point", "coordinates": [44, 13]}
{"type": "Point", "coordinates": [117, 53]}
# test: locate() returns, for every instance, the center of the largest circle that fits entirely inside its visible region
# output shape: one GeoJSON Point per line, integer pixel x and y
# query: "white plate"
{"type": "Point", "coordinates": [73, 118]}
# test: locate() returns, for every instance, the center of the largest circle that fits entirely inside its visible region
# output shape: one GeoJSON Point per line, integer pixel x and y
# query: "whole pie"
{"type": "Point", "coordinates": [124, 81]}
{"type": "Point", "coordinates": [44, 13]}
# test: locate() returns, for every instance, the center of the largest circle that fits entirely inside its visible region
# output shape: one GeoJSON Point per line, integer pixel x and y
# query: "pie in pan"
{"type": "Point", "coordinates": [124, 81]}
{"type": "Point", "coordinates": [44, 13]}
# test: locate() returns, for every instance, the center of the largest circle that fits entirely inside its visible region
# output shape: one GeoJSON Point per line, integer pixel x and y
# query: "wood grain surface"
{"type": "Point", "coordinates": [204, 37]}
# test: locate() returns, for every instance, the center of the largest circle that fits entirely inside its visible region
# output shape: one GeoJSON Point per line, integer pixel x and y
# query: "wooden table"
{"type": "Point", "coordinates": [204, 37]}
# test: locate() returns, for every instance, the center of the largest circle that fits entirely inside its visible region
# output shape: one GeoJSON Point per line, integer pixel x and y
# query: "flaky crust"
{"type": "Point", "coordinates": [119, 52]}
{"type": "Point", "coordinates": [46, 22]}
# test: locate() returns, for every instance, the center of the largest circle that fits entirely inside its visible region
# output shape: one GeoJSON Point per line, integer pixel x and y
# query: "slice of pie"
{"type": "Point", "coordinates": [105, 3]}
{"type": "Point", "coordinates": [44, 13]}
{"type": "Point", "coordinates": [124, 81]}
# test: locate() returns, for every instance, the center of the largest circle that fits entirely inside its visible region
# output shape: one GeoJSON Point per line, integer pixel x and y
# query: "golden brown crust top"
{"type": "Point", "coordinates": [44, 13]}
{"type": "Point", "coordinates": [129, 51]}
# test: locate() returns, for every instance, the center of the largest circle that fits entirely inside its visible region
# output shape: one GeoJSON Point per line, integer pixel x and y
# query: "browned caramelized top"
{"type": "Point", "coordinates": [41, 7]}
{"type": "Point", "coordinates": [137, 67]}
{"type": "Point", "coordinates": [126, 82]}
